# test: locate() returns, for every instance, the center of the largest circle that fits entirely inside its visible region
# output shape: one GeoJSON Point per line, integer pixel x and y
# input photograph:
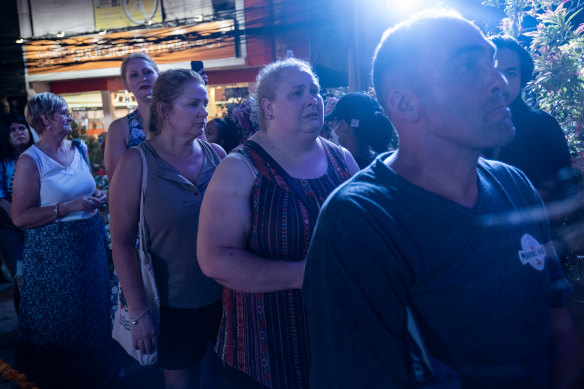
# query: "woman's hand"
{"type": "Point", "coordinates": [85, 204]}
{"type": "Point", "coordinates": [101, 197]}
{"type": "Point", "coordinates": [144, 336]}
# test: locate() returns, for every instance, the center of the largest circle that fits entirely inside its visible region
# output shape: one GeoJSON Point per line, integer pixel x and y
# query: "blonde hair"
{"type": "Point", "coordinates": [45, 103]}
{"type": "Point", "coordinates": [267, 83]}
{"type": "Point", "coordinates": [130, 58]}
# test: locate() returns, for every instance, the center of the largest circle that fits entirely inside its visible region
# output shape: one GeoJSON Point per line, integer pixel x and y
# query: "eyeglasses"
{"type": "Point", "coordinates": [64, 113]}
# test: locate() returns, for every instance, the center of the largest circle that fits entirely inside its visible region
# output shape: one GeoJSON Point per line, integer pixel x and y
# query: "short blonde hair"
{"type": "Point", "coordinates": [267, 83]}
{"type": "Point", "coordinates": [45, 103]}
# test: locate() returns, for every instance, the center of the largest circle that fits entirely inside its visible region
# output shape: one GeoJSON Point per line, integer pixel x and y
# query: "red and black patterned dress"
{"type": "Point", "coordinates": [265, 334]}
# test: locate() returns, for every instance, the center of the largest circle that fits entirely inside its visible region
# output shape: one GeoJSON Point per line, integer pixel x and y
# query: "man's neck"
{"type": "Point", "coordinates": [448, 176]}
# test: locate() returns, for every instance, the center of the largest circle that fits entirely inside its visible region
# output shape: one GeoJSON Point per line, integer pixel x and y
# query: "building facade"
{"type": "Point", "coordinates": [75, 47]}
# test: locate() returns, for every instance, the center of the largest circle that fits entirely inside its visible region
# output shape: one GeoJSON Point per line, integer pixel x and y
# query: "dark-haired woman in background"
{"type": "Point", "coordinates": [15, 137]}
{"type": "Point", "coordinates": [360, 126]}
{"type": "Point", "coordinates": [224, 133]}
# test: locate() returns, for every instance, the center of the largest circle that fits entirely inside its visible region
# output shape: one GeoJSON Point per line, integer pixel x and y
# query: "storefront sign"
{"type": "Point", "coordinates": [165, 45]}
{"type": "Point", "coordinates": [110, 14]}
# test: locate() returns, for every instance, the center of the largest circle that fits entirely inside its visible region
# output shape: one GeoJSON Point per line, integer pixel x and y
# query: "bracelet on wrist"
{"type": "Point", "coordinates": [57, 211]}
{"type": "Point", "coordinates": [140, 316]}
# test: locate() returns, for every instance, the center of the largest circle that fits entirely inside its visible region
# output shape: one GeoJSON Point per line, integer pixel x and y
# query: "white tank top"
{"type": "Point", "coordinates": [63, 183]}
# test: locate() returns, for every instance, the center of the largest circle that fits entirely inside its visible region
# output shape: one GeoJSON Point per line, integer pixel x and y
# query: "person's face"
{"type": "Point", "coordinates": [509, 64]}
{"type": "Point", "coordinates": [18, 136]}
{"type": "Point", "coordinates": [461, 100]}
{"type": "Point", "coordinates": [140, 77]}
{"type": "Point", "coordinates": [211, 132]}
{"type": "Point", "coordinates": [60, 121]}
{"type": "Point", "coordinates": [189, 111]}
{"type": "Point", "coordinates": [340, 132]}
{"type": "Point", "coordinates": [298, 105]}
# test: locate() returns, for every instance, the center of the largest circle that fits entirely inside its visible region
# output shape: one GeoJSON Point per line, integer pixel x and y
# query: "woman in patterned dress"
{"type": "Point", "coordinates": [256, 223]}
{"type": "Point", "coordinates": [138, 74]}
{"type": "Point", "coordinates": [64, 336]}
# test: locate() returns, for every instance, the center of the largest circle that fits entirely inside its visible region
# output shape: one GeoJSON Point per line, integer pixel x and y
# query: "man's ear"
{"type": "Point", "coordinates": [404, 104]}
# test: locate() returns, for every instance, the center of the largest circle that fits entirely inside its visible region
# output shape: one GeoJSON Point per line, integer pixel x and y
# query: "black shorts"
{"type": "Point", "coordinates": [184, 333]}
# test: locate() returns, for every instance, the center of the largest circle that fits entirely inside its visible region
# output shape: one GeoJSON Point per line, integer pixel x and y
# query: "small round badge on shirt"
{"type": "Point", "coordinates": [533, 252]}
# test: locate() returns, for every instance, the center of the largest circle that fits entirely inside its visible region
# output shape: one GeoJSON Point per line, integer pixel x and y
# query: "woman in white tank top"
{"type": "Point", "coordinates": [64, 327]}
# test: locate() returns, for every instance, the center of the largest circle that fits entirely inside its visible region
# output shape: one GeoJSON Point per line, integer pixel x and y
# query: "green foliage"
{"type": "Point", "coordinates": [556, 44]}
{"type": "Point", "coordinates": [93, 148]}
{"type": "Point", "coordinates": [96, 158]}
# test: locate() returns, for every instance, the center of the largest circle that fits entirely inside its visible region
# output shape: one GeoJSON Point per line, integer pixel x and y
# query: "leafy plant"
{"type": "Point", "coordinates": [96, 159]}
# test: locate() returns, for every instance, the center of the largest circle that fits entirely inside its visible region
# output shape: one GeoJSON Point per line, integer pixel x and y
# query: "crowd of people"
{"type": "Point", "coordinates": [306, 260]}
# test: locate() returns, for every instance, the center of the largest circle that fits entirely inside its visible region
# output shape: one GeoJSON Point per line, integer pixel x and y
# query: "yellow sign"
{"type": "Point", "coordinates": [205, 41]}
{"type": "Point", "coordinates": [110, 14]}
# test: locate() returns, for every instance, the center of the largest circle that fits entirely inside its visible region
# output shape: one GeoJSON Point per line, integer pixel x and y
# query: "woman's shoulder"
{"type": "Point", "coordinates": [129, 164]}
{"type": "Point", "coordinates": [212, 149]}
{"type": "Point", "coordinates": [341, 157]}
{"type": "Point", "coordinates": [331, 147]}
{"type": "Point", "coordinates": [32, 152]}
{"type": "Point", "coordinates": [119, 127]}
{"type": "Point", "coordinates": [236, 168]}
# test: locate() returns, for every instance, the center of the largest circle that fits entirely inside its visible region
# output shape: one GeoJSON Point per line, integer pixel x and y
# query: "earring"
{"type": "Point", "coordinates": [270, 117]}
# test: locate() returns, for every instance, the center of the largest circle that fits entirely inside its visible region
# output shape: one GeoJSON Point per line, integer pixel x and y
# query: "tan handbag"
{"type": "Point", "coordinates": [122, 321]}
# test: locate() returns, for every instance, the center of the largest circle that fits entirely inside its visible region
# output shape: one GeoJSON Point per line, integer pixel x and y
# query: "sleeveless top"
{"type": "Point", "coordinates": [171, 212]}
{"type": "Point", "coordinates": [60, 183]}
{"type": "Point", "coordinates": [6, 176]}
{"type": "Point", "coordinates": [265, 334]}
{"type": "Point", "coordinates": [136, 134]}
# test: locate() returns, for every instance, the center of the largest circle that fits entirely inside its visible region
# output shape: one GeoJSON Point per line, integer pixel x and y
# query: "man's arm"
{"type": "Point", "coordinates": [354, 294]}
{"type": "Point", "coordinates": [564, 353]}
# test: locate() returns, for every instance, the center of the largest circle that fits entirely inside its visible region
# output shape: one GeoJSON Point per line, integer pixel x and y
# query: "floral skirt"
{"type": "Point", "coordinates": [64, 335]}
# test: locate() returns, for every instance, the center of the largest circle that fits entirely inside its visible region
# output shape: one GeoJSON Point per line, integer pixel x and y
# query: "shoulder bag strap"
{"type": "Point", "coordinates": [312, 211]}
{"type": "Point", "coordinates": [210, 151]}
{"type": "Point", "coordinates": [77, 144]}
{"type": "Point", "coordinates": [141, 225]}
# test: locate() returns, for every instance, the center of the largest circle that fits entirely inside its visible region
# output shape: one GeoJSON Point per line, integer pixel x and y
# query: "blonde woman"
{"type": "Point", "coordinates": [179, 168]}
{"type": "Point", "coordinates": [64, 335]}
{"type": "Point", "coordinates": [256, 223]}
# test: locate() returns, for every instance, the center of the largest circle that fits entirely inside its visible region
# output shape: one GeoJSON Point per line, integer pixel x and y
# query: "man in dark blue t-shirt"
{"type": "Point", "coordinates": [539, 147]}
{"type": "Point", "coordinates": [461, 242]}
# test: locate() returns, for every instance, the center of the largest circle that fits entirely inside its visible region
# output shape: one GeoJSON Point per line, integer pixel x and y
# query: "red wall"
{"type": "Point", "coordinates": [87, 85]}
